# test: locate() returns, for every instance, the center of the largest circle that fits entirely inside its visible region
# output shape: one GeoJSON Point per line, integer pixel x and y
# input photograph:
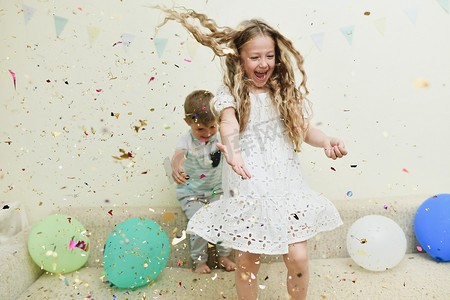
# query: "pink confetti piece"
{"type": "Point", "coordinates": [80, 10]}
{"type": "Point", "coordinates": [69, 219]}
{"type": "Point", "coordinates": [419, 248]}
{"type": "Point", "coordinates": [99, 90]}
{"type": "Point", "coordinates": [72, 245]}
{"type": "Point", "coordinates": [187, 60]}
{"type": "Point", "coordinates": [385, 207]}
{"type": "Point", "coordinates": [404, 170]}
{"type": "Point", "coordinates": [202, 176]}
{"type": "Point", "coordinates": [117, 43]}
{"type": "Point", "coordinates": [203, 107]}
{"type": "Point", "coordinates": [82, 246]}
{"type": "Point", "coordinates": [151, 79]}
{"type": "Point", "coordinates": [14, 77]}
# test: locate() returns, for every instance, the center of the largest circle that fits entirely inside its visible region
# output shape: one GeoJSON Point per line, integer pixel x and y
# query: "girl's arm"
{"type": "Point", "coordinates": [178, 172]}
{"type": "Point", "coordinates": [229, 131]}
{"type": "Point", "coordinates": [334, 147]}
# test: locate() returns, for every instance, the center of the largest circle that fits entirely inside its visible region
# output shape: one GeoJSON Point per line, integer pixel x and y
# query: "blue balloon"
{"type": "Point", "coordinates": [136, 252]}
{"type": "Point", "coordinates": [432, 226]}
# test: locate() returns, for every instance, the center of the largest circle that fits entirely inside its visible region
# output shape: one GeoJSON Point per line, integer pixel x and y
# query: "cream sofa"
{"type": "Point", "coordinates": [333, 275]}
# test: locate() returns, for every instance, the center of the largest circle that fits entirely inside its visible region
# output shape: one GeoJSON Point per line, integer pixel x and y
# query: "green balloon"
{"type": "Point", "coordinates": [59, 244]}
{"type": "Point", "coordinates": [136, 252]}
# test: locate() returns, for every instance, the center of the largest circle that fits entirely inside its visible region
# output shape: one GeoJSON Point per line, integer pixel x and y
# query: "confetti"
{"type": "Point", "coordinates": [333, 169]}
{"type": "Point", "coordinates": [117, 43]}
{"type": "Point", "coordinates": [404, 170]}
{"type": "Point", "coordinates": [349, 193]}
{"type": "Point", "coordinates": [420, 83]}
{"type": "Point", "coordinates": [99, 90]}
{"type": "Point", "coordinates": [14, 77]}
{"type": "Point", "coordinates": [110, 212]}
{"type": "Point", "coordinates": [125, 155]}
{"type": "Point", "coordinates": [143, 123]}
{"type": "Point", "coordinates": [5, 206]}
{"type": "Point", "coordinates": [151, 79]}
{"type": "Point", "coordinates": [363, 241]}
{"type": "Point", "coordinates": [187, 60]}
{"type": "Point", "coordinates": [215, 276]}
{"type": "Point", "coordinates": [70, 219]}
{"type": "Point", "coordinates": [367, 13]}
{"type": "Point", "coordinates": [353, 166]}
{"type": "Point", "coordinates": [202, 176]}
{"type": "Point", "coordinates": [419, 249]}
{"type": "Point", "coordinates": [177, 240]}
{"type": "Point", "coordinates": [72, 244]}
{"type": "Point", "coordinates": [385, 207]}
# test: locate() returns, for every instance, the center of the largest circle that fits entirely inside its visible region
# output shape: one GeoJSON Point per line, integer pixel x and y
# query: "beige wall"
{"type": "Point", "coordinates": [58, 139]}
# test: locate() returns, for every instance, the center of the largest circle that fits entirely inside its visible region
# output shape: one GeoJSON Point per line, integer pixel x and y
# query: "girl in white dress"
{"type": "Point", "coordinates": [267, 207]}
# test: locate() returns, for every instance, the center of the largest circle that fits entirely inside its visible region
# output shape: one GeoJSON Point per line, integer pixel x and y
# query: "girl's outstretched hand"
{"type": "Point", "coordinates": [235, 161]}
{"type": "Point", "coordinates": [335, 148]}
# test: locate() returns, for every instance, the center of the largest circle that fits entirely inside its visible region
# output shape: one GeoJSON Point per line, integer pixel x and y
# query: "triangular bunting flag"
{"type": "Point", "coordinates": [443, 4]}
{"type": "Point", "coordinates": [160, 45]}
{"type": "Point", "coordinates": [127, 38]}
{"type": "Point", "coordinates": [93, 33]}
{"type": "Point", "coordinates": [28, 12]}
{"type": "Point", "coordinates": [318, 39]}
{"type": "Point", "coordinates": [412, 14]}
{"type": "Point", "coordinates": [348, 33]}
{"type": "Point", "coordinates": [380, 24]}
{"type": "Point", "coordinates": [60, 22]}
{"type": "Point", "coordinates": [192, 47]}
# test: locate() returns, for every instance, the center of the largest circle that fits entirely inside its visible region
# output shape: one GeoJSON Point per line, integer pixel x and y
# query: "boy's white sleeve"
{"type": "Point", "coordinates": [183, 142]}
{"type": "Point", "coordinates": [223, 99]}
{"type": "Point", "coordinates": [219, 138]}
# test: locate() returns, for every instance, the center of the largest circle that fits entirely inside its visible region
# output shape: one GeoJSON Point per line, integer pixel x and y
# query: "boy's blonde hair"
{"type": "Point", "coordinates": [290, 100]}
{"type": "Point", "coordinates": [197, 108]}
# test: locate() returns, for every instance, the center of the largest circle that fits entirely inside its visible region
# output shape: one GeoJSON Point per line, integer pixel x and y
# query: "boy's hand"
{"type": "Point", "coordinates": [335, 148]}
{"type": "Point", "coordinates": [235, 161]}
{"type": "Point", "coordinates": [178, 174]}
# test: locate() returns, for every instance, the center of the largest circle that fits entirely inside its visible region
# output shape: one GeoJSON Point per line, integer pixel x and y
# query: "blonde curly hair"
{"type": "Point", "coordinates": [226, 42]}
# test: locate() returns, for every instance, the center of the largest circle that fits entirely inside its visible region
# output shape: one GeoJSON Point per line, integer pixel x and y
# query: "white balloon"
{"type": "Point", "coordinates": [376, 243]}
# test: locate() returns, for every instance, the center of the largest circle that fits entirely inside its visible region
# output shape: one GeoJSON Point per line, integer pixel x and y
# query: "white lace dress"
{"type": "Point", "coordinates": [274, 208]}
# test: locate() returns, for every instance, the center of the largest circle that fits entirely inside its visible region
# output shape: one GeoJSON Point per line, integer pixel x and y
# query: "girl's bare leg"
{"type": "Point", "coordinates": [247, 266]}
{"type": "Point", "coordinates": [296, 261]}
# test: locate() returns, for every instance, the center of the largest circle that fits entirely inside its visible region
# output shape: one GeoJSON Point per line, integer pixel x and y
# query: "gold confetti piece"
{"type": "Point", "coordinates": [143, 123]}
{"type": "Point", "coordinates": [420, 83]}
{"type": "Point", "coordinates": [56, 133]}
{"type": "Point", "coordinates": [125, 155]}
